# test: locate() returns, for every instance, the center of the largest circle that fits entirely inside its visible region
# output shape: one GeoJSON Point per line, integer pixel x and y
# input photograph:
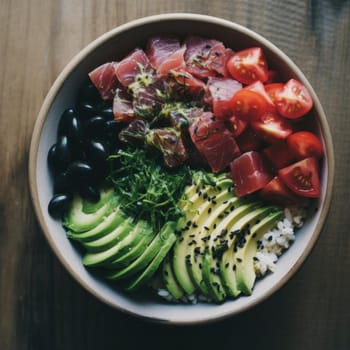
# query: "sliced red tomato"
{"type": "Point", "coordinates": [214, 141]}
{"type": "Point", "coordinates": [131, 66]}
{"type": "Point", "coordinates": [105, 80]}
{"type": "Point", "coordinates": [260, 89]}
{"type": "Point", "coordinates": [220, 92]}
{"type": "Point", "coordinates": [249, 173]}
{"type": "Point", "coordinates": [248, 66]}
{"type": "Point", "coordinates": [272, 128]}
{"type": "Point", "coordinates": [302, 177]}
{"type": "Point", "coordinates": [277, 192]}
{"type": "Point", "coordinates": [159, 48]}
{"type": "Point", "coordinates": [279, 155]}
{"type": "Point", "coordinates": [236, 126]}
{"type": "Point", "coordinates": [304, 144]}
{"type": "Point", "coordinates": [271, 90]}
{"type": "Point", "coordinates": [248, 105]}
{"type": "Point", "coordinates": [294, 100]}
{"type": "Point", "coordinates": [248, 141]}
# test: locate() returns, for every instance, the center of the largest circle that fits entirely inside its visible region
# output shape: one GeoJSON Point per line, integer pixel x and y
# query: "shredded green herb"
{"type": "Point", "coordinates": [146, 189]}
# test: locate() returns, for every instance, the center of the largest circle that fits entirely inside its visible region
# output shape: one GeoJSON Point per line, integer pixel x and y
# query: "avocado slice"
{"type": "Point", "coordinates": [219, 240]}
{"type": "Point", "coordinates": [111, 222]}
{"type": "Point", "coordinates": [133, 253]}
{"type": "Point", "coordinates": [245, 273]}
{"type": "Point", "coordinates": [169, 279]}
{"type": "Point", "coordinates": [141, 279]}
{"type": "Point", "coordinates": [147, 256]}
{"type": "Point", "coordinates": [178, 261]}
{"type": "Point", "coordinates": [206, 224]}
{"type": "Point", "coordinates": [196, 210]}
{"type": "Point", "coordinates": [78, 221]}
{"type": "Point", "coordinates": [122, 232]}
{"type": "Point", "coordinates": [229, 260]}
{"type": "Point", "coordinates": [105, 195]}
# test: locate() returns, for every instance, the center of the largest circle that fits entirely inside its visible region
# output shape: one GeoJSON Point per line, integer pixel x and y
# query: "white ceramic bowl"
{"type": "Point", "coordinates": [113, 46]}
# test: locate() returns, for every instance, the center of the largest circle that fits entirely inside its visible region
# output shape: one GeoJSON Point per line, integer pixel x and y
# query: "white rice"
{"type": "Point", "coordinates": [276, 241]}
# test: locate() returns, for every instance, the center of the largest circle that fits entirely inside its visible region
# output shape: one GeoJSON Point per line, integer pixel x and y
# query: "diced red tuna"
{"type": "Point", "coordinates": [105, 80]}
{"type": "Point", "coordinates": [132, 65]}
{"type": "Point", "coordinates": [221, 91]}
{"type": "Point", "coordinates": [205, 57]}
{"type": "Point", "coordinates": [122, 105]}
{"type": "Point", "coordinates": [169, 142]}
{"type": "Point", "coordinates": [249, 173]}
{"type": "Point", "coordinates": [214, 141]}
{"type": "Point", "coordinates": [174, 61]}
{"type": "Point", "coordinates": [182, 83]}
{"type": "Point", "coordinates": [159, 48]}
{"type": "Point", "coordinates": [148, 100]}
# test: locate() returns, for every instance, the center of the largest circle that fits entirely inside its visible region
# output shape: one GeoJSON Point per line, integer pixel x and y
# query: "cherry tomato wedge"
{"type": "Point", "coordinates": [302, 177]}
{"type": "Point", "coordinates": [248, 66]}
{"type": "Point", "coordinates": [272, 128]}
{"type": "Point", "coordinates": [258, 87]}
{"type": "Point", "coordinates": [293, 100]}
{"type": "Point", "coordinates": [304, 144]}
{"type": "Point", "coordinates": [236, 125]}
{"type": "Point", "coordinates": [248, 105]}
{"type": "Point", "coordinates": [271, 90]}
{"type": "Point", "coordinates": [279, 155]}
{"type": "Point", "coordinates": [277, 192]}
{"type": "Point", "coordinates": [249, 141]}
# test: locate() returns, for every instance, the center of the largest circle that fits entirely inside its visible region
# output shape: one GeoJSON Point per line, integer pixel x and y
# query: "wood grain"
{"type": "Point", "coordinates": [41, 307]}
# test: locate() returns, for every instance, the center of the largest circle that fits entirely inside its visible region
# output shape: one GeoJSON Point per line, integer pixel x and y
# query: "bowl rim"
{"type": "Point", "coordinates": [57, 86]}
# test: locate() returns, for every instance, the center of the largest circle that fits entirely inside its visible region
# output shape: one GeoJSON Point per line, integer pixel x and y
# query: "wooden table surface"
{"type": "Point", "coordinates": [41, 306]}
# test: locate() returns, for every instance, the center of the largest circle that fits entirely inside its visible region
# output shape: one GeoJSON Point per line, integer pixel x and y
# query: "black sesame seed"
{"type": "Point", "coordinates": [227, 265]}
{"type": "Point", "coordinates": [206, 228]}
{"type": "Point", "coordinates": [209, 210]}
{"type": "Point", "coordinates": [214, 226]}
{"type": "Point", "coordinates": [194, 225]}
{"type": "Point", "coordinates": [239, 260]}
{"type": "Point", "coordinates": [234, 267]}
{"type": "Point", "coordinates": [269, 238]}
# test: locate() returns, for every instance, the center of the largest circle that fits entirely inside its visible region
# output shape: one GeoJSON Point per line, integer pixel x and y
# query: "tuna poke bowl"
{"type": "Point", "coordinates": [181, 168]}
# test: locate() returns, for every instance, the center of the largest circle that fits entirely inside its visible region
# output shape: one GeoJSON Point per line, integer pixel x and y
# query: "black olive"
{"type": "Point", "coordinates": [80, 173]}
{"type": "Point", "coordinates": [51, 159]}
{"type": "Point", "coordinates": [59, 205]}
{"type": "Point", "coordinates": [89, 93]}
{"type": "Point", "coordinates": [87, 109]}
{"type": "Point", "coordinates": [65, 123]}
{"type": "Point", "coordinates": [107, 113]}
{"type": "Point", "coordinates": [62, 183]}
{"type": "Point", "coordinates": [96, 152]}
{"type": "Point", "coordinates": [90, 193]}
{"type": "Point", "coordinates": [95, 128]}
{"type": "Point", "coordinates": [62, 153]}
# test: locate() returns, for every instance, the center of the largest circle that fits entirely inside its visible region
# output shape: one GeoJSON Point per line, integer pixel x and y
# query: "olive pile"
{"type": "Point", "coordinates": [86, 136]}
